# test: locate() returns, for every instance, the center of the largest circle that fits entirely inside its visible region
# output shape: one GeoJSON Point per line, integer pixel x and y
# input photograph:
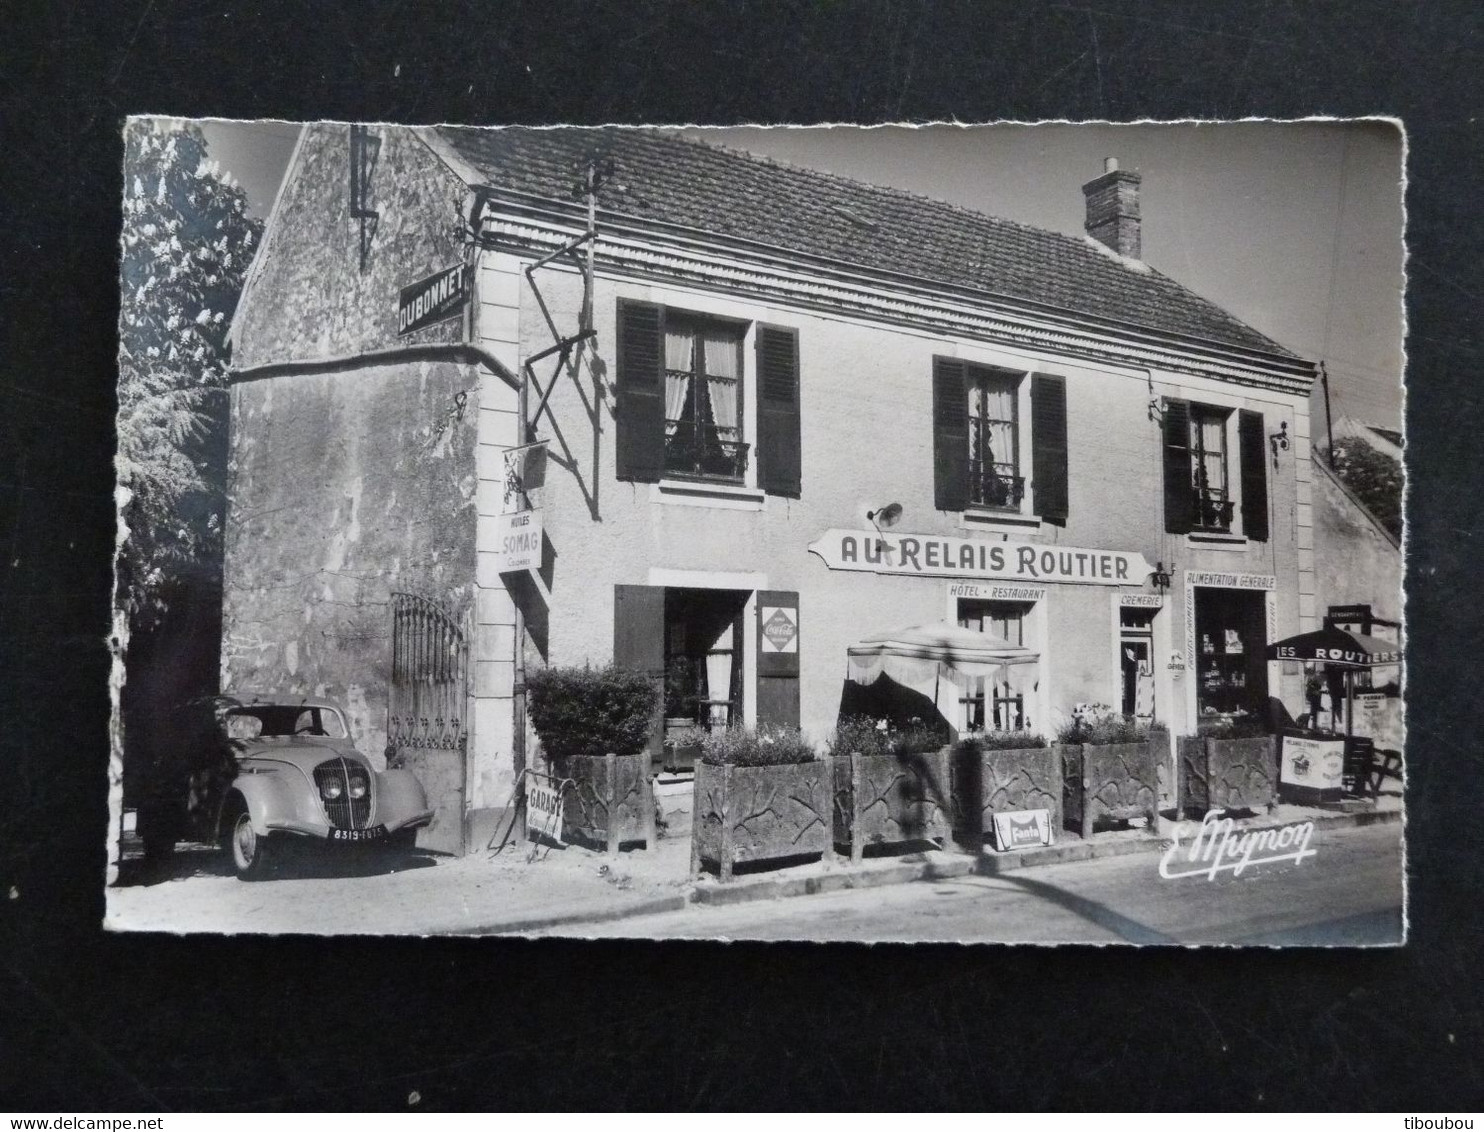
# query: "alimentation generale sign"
{"type": "Point", "coordinates": [951, 557]}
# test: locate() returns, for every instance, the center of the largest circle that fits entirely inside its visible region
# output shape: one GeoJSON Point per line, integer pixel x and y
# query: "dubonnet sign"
{"type": "Point", "coordinates": [946, 556]}
{"type": "Point", "coordinates": [431, 300]}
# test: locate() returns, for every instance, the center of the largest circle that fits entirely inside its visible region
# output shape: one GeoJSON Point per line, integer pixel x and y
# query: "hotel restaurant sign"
{"type": "Point", "coordinates": [943, 556]}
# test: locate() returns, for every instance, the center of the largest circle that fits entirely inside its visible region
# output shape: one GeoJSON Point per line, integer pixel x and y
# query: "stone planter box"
{"type": "Point", "coordinates": [758, 813]}
{"type": "Point", "coordinates": [1113, 781]}
{"type": "Point", "coordinates": [886, 799]}
{"type": "Point", "coordinates": [1227, 774]}
{"type": "Point", "coordinates": [1028, 778]}
{"type": "Point", "coordinates": [610, 801]}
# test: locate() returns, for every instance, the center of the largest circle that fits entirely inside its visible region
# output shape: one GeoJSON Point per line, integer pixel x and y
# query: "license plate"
{"type": "Point", "coordinates": [374, 833]}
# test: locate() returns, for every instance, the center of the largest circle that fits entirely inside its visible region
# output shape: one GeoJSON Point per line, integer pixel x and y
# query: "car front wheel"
{"type": "Point", "coordinates": [251, 854]}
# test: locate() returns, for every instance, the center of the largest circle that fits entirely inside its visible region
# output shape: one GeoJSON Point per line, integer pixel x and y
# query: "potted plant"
{"type": "Point", "coordinates": [1110, 769]}
{"type": "Point", "coordinates": [1230, 763]}
{"type": "Point", "coordinates": [594, 725]}
{"type": "Point", "coordinates": [891, 786]}
{"type": "Point", "coordinates": [1001, 771]}
{"type": "Point", "coordinates": [760, 794]}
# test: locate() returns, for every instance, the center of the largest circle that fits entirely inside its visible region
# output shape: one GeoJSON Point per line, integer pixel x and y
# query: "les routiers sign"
{"type": "Point", "coordinates": [944, 556]}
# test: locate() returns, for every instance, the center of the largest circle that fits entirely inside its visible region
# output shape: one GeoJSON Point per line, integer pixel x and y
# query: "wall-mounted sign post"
{"type": "Point", "coordinates": [518, 527]}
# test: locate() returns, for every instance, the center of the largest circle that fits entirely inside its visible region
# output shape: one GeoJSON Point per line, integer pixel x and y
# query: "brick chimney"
{"type": "Point", "coordinates": [1113, 209]}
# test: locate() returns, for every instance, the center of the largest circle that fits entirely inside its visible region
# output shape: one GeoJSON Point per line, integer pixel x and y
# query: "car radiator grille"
{"type": "Point", "coordinates": [344, 812]}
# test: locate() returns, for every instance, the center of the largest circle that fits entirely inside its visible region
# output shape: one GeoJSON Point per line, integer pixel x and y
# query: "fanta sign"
{"type": "Point", "coordinates": [1021, 829]}
{"type": "Point", "coordinates": [946, 556]}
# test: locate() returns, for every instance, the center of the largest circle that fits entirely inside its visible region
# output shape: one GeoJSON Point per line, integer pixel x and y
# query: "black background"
{"type": "Point", "coordinates": [150, 1023]}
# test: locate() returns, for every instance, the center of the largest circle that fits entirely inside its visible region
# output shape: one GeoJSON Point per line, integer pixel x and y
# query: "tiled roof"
{"type": "Point", "coordinates": [664, 177]}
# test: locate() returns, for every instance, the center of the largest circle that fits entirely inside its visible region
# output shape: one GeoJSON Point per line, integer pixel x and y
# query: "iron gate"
{"type": "Point", "coordinates": [430, 663]}
{"type": "Point", "coordinates": [427, 730]}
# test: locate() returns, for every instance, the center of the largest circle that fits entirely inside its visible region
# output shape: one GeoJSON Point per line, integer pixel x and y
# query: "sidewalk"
{"type": "Point", "coordinates": [420, 894]}
{"type": "Point", "coordinates": [527, 889]}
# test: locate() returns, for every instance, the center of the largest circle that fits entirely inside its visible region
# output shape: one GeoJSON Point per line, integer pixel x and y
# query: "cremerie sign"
{"type": "Point", "coordinates": [431, 300]}
{"type": "Point", "coordinates": [944, 556]}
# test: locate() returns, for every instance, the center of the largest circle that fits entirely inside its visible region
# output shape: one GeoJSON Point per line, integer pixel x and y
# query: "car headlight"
{"type": "Point", "coordinates": [358, 787]}
{"type": "Point", "coordinates": [331, 790]}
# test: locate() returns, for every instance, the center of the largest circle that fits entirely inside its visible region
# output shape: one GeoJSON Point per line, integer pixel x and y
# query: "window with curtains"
{"type": "Point", "coordinates": [1208, 469]}
{"type": "Point", "coordinates": [703, 398]}
{"type": "Point", "coordinates": [993, 441]}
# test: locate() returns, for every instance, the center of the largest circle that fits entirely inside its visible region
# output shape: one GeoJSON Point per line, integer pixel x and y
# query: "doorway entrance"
{"type": "Point", "coordinates": [703, 657]}
{"type": "Point", "coordinates": [1230, 651]}
{"type": "Point", "coordinates": [1136, 663]}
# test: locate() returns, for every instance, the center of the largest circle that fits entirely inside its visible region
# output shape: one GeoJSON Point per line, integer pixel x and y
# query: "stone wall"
{"type": "Point", "coordinates": [342, 489]}
{"type": "Point", "coordinates": [346, 485]}
{"type": "Point", "coordinates": [311, 294]}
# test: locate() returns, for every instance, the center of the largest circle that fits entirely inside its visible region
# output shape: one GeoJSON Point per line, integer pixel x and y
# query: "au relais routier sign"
{"type": "Point", "coordinates": [943, 556]}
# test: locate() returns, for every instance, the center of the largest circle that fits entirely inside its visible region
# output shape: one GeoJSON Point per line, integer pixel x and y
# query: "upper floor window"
{"type": "Point", "coordinates": [978, 458]}
{"type": "Point", "coordinates": [1211, 502]}
{"type": "Point", "coordinates": [703, 399]}
{"type": "Point", "coordinates": [994, 448]}
{"type": "Point", "coordinates": [683, 382]}
{"type": "Point", "coordinates": [1210, 483]}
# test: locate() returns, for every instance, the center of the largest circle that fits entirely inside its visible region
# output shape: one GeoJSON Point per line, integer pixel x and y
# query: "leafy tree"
{"type": "Point", "coordinates": [1373, 476]}
{"type": "Point", "coordinates": [186, 246]}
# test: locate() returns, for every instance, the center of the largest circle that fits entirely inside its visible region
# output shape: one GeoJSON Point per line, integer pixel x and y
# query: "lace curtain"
{"type": "Point", "coordinates": [992, 420]}
{"type": "Point", "coordinates": [679, 357]}
{"type": "Point", "coordinates": [723, 373]}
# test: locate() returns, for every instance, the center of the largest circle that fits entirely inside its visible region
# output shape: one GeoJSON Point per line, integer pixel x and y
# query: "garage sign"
{"type": "Point", "coordinates": [543, 807]}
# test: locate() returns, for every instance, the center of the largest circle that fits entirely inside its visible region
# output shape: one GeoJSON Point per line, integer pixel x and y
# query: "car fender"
{"type": "Point", "coordinates": [278, 799]}
{"type": "Point", "coordinates": [400, 799]}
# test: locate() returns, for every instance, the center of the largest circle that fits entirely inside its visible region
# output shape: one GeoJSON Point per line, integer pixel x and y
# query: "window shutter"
{"type": "Point", "coordinates": [1179, 494]}
{"type": "Point", "coordinates": [1049, 446]}
{"type": "Point", "coordinates": [1251, 442]}
{"type": "Point", "coordinates": [640, 408]}
{"type": "Point", "coordinates": [778, 658]}
{"type": "Point", "coordinates": [779, 449]}
{"type": "Point", "coordinates": [639, 646]}
{"type": "Point", "coordinates": [950, 436]}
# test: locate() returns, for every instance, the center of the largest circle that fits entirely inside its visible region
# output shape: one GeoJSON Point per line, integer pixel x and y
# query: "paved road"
{"type": "Point", "coordinates": [1349, 893]}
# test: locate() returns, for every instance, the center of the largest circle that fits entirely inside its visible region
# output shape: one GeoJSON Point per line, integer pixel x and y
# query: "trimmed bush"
{"type": "Point", "coordinates": [765, 746]}
{"type": "Point", "coordinates": [590, 711]}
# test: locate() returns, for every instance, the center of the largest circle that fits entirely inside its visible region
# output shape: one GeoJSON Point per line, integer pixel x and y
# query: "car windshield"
{"type": "Point", "coordinates": [274, 721]}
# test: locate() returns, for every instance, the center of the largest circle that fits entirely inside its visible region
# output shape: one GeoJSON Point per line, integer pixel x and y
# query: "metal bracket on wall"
{"type": "Point", "coordinates": [364, 150]}
{"type": "Point", "coordinates": [580, 252]}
